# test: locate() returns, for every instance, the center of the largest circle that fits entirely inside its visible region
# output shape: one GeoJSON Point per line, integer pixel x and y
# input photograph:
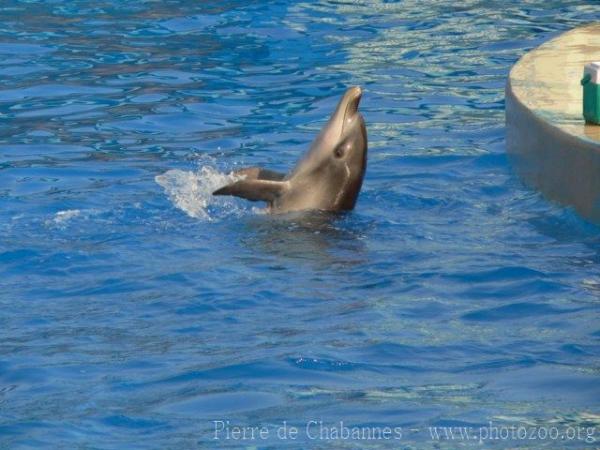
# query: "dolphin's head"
{"type": "Point", "coordinates": [349, 156]}
{"type": "Point", "coordinates": [336, 162]}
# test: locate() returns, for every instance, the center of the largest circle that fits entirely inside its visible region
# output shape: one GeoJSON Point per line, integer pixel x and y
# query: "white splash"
{"type": "Point", "coordinates": [64, 216]}
{"type": "Point", "coordinates": [192, 191]}
{"type": "Point", "coordinates": [592, 283]}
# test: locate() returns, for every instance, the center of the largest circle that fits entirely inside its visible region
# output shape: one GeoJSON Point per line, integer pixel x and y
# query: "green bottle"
{"type": "Point", "coordinates": [591, 92]}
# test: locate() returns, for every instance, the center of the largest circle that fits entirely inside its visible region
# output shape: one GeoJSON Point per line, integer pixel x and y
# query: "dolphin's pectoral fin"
{"type": "Point", "coordinates": [257, 173]}
{"type": "Point", "coordinates": [254, 190]}
{"type": "Point", "coordinates": [258, 184]}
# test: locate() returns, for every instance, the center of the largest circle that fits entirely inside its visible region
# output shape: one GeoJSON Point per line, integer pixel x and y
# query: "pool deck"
{"type": "Point", "coordinates": [550, 145]}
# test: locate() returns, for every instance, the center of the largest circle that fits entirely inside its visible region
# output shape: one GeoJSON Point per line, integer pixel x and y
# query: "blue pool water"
{"type": "Point", "coordinates": [137, 309]}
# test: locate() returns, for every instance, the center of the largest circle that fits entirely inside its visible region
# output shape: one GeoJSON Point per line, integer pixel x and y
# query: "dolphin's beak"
{"type": "Point", "coordinates": [353, 96]}
{"type": "Point", "coordinates": [344, 115]}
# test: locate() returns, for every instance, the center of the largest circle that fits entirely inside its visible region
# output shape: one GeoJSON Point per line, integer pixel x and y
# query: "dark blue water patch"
{"type": "Point", "coordinates": [517, 311]}
{"type": "Point", "coordinates": [18, 256]}
{"type": "Point", "coordinates": [121, 421]}
{"type": "Point", "coordinates": [23, 428]}
{"type": "Point", "coordinates": [529, 288]}
{"type": "Point", "coordinates": [274, 372]}
{"type": "Point", "coordinates": [105, 287]}
{"type": "Point", "coordinates": [25, 375]}
{"type": "Point", "coordinates": [580, 350]}
{"type": "Point", "coordinates": [195, 309]}
{"type": "Point", "coordinates": [499, 274]}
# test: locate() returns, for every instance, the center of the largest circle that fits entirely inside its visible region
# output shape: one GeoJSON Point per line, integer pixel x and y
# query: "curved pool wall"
{"type": "Point", "coordinates": [552, 147]}
{"type": "Point", "coordinates": [135, 309]}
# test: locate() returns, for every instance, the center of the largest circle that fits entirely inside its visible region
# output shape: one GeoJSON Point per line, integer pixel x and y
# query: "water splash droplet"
{"type": "Point", "coordinates": [191, 191]}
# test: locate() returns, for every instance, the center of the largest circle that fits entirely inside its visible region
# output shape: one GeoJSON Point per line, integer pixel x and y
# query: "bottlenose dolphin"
{"type": "Point", "coordinates": [328, 178]}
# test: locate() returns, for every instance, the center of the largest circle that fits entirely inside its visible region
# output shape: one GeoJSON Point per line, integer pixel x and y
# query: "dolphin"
{"type": "Point", "coordinates": [327, 178]}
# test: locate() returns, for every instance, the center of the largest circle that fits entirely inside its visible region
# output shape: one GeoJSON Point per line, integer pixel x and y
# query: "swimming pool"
{"type": "Point", "coordinates": [139, 312]}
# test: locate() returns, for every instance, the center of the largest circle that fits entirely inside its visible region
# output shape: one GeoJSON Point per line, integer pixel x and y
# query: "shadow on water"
{"type": "Point", "coordinates": [320, 238]}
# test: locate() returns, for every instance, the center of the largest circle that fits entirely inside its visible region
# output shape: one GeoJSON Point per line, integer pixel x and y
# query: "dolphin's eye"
{"type": "Point", "coordinates": [339, 151]}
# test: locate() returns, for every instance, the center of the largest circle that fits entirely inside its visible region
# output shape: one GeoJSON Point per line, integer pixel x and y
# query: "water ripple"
{"type": "Point", "coordinates": [137, 308]}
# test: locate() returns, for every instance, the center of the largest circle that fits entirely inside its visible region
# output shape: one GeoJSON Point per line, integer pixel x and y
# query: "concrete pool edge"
{"type": "Point", "coordinates": [549, 147]}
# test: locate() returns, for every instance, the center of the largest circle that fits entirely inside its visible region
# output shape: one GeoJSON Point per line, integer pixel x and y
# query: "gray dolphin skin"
{"type": "Point", "coordinates": [327, 178]}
